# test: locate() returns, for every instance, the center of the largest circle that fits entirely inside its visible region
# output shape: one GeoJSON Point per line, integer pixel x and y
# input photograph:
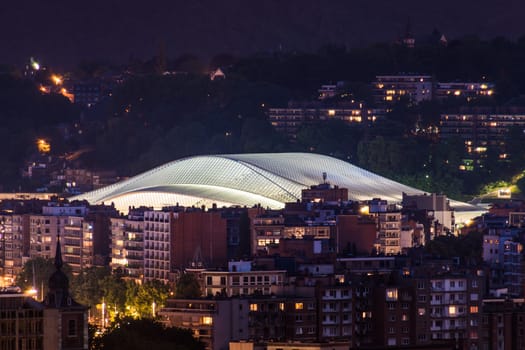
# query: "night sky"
{"type": "Point", "coordinates": [60, 32]}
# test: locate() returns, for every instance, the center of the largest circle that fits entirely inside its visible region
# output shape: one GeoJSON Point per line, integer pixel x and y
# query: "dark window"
{"type": "Point", "coordinates": [71, 328]}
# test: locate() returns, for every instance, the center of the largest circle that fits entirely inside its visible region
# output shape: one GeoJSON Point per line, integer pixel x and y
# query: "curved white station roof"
{"type": "Point", "coordinates": [268, 179]}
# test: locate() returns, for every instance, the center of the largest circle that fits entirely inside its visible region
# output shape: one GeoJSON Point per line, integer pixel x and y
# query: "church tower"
{"type": "Point", "coordinates": [409, 40]}
{"type": "Point", "coordinates": [65, 321]}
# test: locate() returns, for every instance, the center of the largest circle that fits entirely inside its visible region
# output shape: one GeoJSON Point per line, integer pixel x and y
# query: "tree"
{"type": "Point", "coordinates": [87, 287]}
{"type": "Point", "coordinates": [521, 185]}
{"type": "Point", "coordinates": [187, 287]}
{"type": "Point", "coordinates": [143, 300]}
{"type": "Point", "coordinates": [114, 291]}
{"type": "Point", "coordinates": [43, 269]}
{"type": "Point", "coordinates": [146, 334]}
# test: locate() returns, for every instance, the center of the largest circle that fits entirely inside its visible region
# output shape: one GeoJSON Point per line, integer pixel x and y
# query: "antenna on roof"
{"type": "Point", "coordinates": [324, 176]}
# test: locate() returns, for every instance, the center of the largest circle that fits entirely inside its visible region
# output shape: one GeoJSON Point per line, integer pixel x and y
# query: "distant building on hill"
{"type": "Point", "coordinates": [483, 130]}
{"type": "Point", "coordinates": [288, 120]}
{"type": "Point", "coordinates": [414, 88]}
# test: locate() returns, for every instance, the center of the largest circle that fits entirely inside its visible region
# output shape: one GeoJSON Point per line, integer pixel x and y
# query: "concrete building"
{"type": "Point", "coordinates": [336, 315]}
{"type": "Point", "coordinates": [388, 221]}
{"type": "Point", "coordinates": [356, 234]}
{"type": "Point", "coordinates": [449, 308]}
{"type": "Point", "coordinates": [21, 322]}
{"type": "Point", "coordinates": [13, 234]}
{"type": "Point", "coordinates": [293, 345]}
{"type": "Point", "coordinates": [214, 322]}
{"type": "Point", "coordinates": [288, 120]}
{"type": "Point", "coordinates": [503, 325]}
{"type": "Point", "coordinates": [237, 282]}
{"type": "Point", "coordinates": [85, 231]}
{"type": "Point", "coordinates": [433, 211]}
{"type": "Point", "coordinates": [58, 323]}
{"type": "Point", "coordinates": [466, 90]}
{"type": "Point", "coordinates": [389, 89]}
{"type": "Point", "coordinates": [158, 228]}
{"type": "Point", "coordinates": [199, 238]}
{"type": "Point", "coordinates": [324, 192]}
{"type": "Point", "coordinates": [503, 255]}
{"type": "Point", "coordinates": [127, 244]}
{"type": "Point", "coordinates": [481, 130]}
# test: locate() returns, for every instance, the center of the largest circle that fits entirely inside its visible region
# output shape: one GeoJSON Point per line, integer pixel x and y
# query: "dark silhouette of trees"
{"type": "Point", "coordinates": [145, 334]}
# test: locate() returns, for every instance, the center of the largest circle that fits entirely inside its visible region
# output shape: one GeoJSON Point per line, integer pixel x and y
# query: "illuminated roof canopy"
{"type": "Point", "coordinates": [268, 179]}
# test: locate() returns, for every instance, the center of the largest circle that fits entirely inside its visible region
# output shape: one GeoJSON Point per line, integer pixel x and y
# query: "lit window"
{"type": "Point", "coordinates": [298, 306]}
{"type": "Point", "coordinates": [452, 310]}
{"type": "Point", "coordinates": [391, 294]}
{"type": "Point", "coordinates": [207, 320]}
{"type": "Point", "coordinates": [253, 307]}
{"type": "Point", "coordinates": [281, 306]}
{"type": "Point", "coordinates": [473, 309]}
{"type": "Point", "coordinates": [331, 112]}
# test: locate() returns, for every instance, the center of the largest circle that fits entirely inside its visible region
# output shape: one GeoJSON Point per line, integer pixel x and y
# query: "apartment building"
{"type": "Point", "coordinates": [336, 314]}
{"type": "Point", "coordinates": [482, 129]}
{"type": "Point", "coordinates": [234, 283]}
{"type": "Point", "coordinates": [13, 246]}
{"type": "Point", "coordinates": [157, 244]}
{"type": "Point", "coordinates": [199, 238]}
{"type": "Point", "coordinates": [449, 308]}
{"type": "Point", "coordinates": [214, 322]}
{"type": "Point", "coordinates": [288, 120]}
{"type": "Point", "coordinates": [503, 324]}
{"type": "Point", "coordinates": [466, 90]}
{"type": "Point", "coordinates": [389, 89]}
{"type": "Point", "coordinates": [127, 244]}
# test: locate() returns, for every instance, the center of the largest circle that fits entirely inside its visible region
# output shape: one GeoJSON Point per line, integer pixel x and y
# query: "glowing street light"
{"type": "Point", "coordinates": [43, 146]}
{"type": "Point", "coordinates": [34, 64]}
{"type": "Point", "coordinates": [57, 79]}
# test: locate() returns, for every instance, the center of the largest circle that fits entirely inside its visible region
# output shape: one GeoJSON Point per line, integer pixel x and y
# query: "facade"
{"type": "Point", "coordinates": [157, 244]}
{"type": "Point", "coordinates": [85, 232]}
{"type": "Point", "coordinates": [214, 322]}
{"type": "Point", "coordinates": [13, 248]}
{"type": "Point", "coordinates": [503, 255]}
{"type": "Point", "coordinates": [238, 283]}
{"type": "Point", "coordinates": [355, 233]}
{"type": "Point", "coordinates": [127, 244]}
{"type": "Point", "coordinates": [433, 211]}
{"type": "Point", "coordinates": [389, 89]}
{"type": "Point", "coordinates": [467, 90]}
{"type": "Point", "coordinates": [336, 316]}
{"type": "Point", "coordinates": [389, 233]}
{"type": "Point", "coordinates": [388, 220]}
{"type": "Point", "coordinates": [324, 193]}
{"type": "Point", "coordinates": [271, 228]}
{"type": "Point", "coordinates": [199, 238]}
{"type": "Point", "coordinates": [481, 130]}
{"type": "Point", "coordinates": [58, 323]}
{"type": "Point", "coordinates": [288, 120]}
{"type": "Point", "coordinates": [503, 324]}
{"type": "Point", "coordinates": [72, 238]}
{"type": "Point", "coordinates": [21, 322]}
{"type": "Point", "coordinates": [450, 306]}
